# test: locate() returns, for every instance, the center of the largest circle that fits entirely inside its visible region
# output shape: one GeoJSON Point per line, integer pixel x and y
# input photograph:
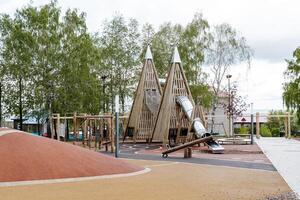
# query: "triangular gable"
{"type": "Point", "coordinates": [145, 106]}
{"type": "Point", "coordinates": [170, 115]}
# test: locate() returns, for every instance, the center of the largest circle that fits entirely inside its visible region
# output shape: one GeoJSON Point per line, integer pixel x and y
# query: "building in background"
{"type": "Point", "coordinates": [218, 123]}
{"type": "Point", "coordinates": [29, 125]}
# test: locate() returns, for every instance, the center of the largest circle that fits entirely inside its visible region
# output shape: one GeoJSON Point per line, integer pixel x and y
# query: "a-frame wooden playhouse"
{"type": "Point", "coordinates": [146, 103]}
{"type": "Point", "coordinates": [172, 123]}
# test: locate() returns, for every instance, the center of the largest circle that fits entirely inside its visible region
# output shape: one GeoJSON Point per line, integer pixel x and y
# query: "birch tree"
{"type": "Point", "coordinates": [227, 49]}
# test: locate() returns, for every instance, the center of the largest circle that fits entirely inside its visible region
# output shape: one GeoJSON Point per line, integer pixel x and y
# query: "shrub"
{"type": "Point", "coordinates": [275, 132]}
{"type": "Point", "coordinates": [236, 130]}
{"type": "Point", "coordinates": [265, 131]}
{"type": "Point", "coordinates": [244, 130]}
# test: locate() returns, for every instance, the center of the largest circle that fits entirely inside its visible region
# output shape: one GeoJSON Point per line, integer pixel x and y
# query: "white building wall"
{"type": "Point", "coordinates": [221, 121]}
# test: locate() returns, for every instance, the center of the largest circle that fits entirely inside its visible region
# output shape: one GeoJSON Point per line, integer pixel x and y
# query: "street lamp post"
{"type": "Point", "coordinates": [229, 106]}
{"type": "Point", "coordinates": [117, 126]}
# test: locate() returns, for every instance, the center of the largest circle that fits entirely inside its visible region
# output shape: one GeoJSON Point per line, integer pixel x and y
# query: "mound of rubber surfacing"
{"type": "Point", "coordinates": [26, 157]}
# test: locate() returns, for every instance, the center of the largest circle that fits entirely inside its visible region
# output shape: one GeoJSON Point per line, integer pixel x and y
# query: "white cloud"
{"type": "Point", "coordinates": [262, 83]}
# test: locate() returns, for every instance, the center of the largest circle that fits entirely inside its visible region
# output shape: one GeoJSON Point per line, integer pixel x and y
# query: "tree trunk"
{"type": "Point", "coordinates": [20, 104]}
{"type": "Point", "coordinates": [214, 108]}
{"type": "Point", "coordinates": [38, 123]}
{"type": "Point", "coordinates": [112, 98]}
{"type": "Point", "coordinates": [212, 117]}
{"type": "Point", "coordinates": [49, 124]}
{"type": "Point", "coordinates": [123, 102]}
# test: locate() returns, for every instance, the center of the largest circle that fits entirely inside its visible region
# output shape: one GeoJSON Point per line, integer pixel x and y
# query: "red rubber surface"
{"type": "Point", "coordinates": [26, 157]}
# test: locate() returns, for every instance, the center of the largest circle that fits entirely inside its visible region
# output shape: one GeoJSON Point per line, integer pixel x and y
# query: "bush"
{"type": "Point", "coordinates": [236, 130]}
{"type": "Point", "coordinates": [265, 131]}
{"type": "Point", "coordinates": [244, 130]}
{"type": "Point", "coordinates": [275, 132]}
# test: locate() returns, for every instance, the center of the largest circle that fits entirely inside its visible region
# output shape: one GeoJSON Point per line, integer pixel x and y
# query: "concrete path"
{"type": "Point", "coordinates": [285, 156]}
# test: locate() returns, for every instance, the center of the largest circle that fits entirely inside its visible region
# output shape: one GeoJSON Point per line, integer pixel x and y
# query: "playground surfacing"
{"type": "Point", "coordinates": [246, 153]}
{"type": "Point", "coordinates": [166, 180]}
{"type": "Point", "coordinates": [210, 177]}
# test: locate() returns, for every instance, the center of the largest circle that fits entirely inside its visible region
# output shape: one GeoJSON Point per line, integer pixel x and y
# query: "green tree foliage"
{"type": "Point", "coordinates": [3, 76]}
{"type": "Point", "coordinates": [16, 56]}
{"type": "Point", "coordinates": [43, 27]}
{"type": "Point", "coordinates": [162, 44]}
{"type": "Point", "coordinates": [79, 87]}
{"type": "Point", "coordinates": [265, 131]}
{"type": "Point", "coordinates": [49, 60]}
{"type": "Point", "coordinates": [119, 47]}
{"type": "Point", "coordinates": [51, 63]}
{"type": "Point", "coordinates": [202, 94]}
{"type": "Point", "coordinates": [276, 124]}
{"type": "Point", "coordinates": [192, 40]}
{"type": "Point", "coordinates": [291, 94]}
{"type": "Point", "coordinates": [295, 126]}
{"type": "Point", "coordinates": [227, 49]}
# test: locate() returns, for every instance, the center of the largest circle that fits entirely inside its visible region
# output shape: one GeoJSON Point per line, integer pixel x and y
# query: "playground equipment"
{"type": "Point", "coordinates": [177, 118]}
{"type": "Point", "coordinates": [197, 125]}
{"type": "Point", "coordinates": [186, 145]}
{"type": "Point", "coordinates": [171, 124]}
{"type": "Point", "coordinates": [286, 118]}
{"type": "Point", "coordinates": [94, 131]}
{"type": "Point", "coordinates": [146, 103]}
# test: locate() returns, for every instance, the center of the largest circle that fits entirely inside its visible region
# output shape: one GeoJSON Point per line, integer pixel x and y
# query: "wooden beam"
{"type": "Point", "coordinates": [189, 144]}
{"type": "Point", "coordinates": [257, 126]}
{"type": "Point", "coordinates": [289, 125]}
{"type": "Point", "coordinates": [111, 134]}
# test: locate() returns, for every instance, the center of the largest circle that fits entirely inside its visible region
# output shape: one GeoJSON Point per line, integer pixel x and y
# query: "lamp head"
{"type": "Point", "coordinates": [228, 76]}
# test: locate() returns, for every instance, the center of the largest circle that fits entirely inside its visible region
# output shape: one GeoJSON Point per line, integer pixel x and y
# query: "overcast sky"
{"type": "Point", "coordinates": [271, 28]}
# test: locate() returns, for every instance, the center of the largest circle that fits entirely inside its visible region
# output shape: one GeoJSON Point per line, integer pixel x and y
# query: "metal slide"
{"type": "Point", "coordinates": [198, 127]}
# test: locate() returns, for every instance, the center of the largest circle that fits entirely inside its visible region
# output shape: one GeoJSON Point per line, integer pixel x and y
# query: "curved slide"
{"type": "Point", "coordinates": [198, 127]}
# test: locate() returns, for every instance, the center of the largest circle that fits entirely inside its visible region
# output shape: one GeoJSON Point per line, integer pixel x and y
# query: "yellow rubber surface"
{"type": "Point", "coordinates": [167, 180]}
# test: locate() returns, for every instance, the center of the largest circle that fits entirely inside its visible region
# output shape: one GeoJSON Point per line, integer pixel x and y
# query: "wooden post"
{"type": "Point", "coordinates": [65, 128]}
{"type": "Point", "coordinates": [85, 129]}
{"type": "Point", "coordinates": [96, 134]}
{"type": "Point", "coordinates": [90, 133]}
{"type": "Point", "coordinates": [101, 128]}
{"type": "Point", "coordinates": [74, 126]}
{"type": "Point", "coordinates": [257, 126]}
{"type": "Point", "coordinates": [288, 125]}
{"type": "Point", "coordinates": [58, 127]}
{"type": "Point", "coordinates": [188, 152]}
{"type": "Point", "coordinates": [112, 134]}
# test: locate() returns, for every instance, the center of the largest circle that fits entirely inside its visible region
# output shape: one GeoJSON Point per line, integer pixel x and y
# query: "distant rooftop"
{"type": "Point", "coordinates": [247, 119]}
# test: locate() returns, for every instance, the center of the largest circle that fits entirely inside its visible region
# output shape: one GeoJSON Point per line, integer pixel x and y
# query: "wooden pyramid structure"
{"type": "Point", "coordinates": [146, 103]}
{"type": "Point", "coordinates": [171, 123]}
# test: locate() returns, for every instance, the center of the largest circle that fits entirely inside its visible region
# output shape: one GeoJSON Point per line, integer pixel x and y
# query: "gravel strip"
{"type": "Point", "coordinates": [284, 196]}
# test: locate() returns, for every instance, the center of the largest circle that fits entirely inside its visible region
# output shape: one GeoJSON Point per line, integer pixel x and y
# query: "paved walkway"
{"type": "Point", "coordinates": [285, 156]}
{"type": "Point", "coordinates": [166, 181]}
